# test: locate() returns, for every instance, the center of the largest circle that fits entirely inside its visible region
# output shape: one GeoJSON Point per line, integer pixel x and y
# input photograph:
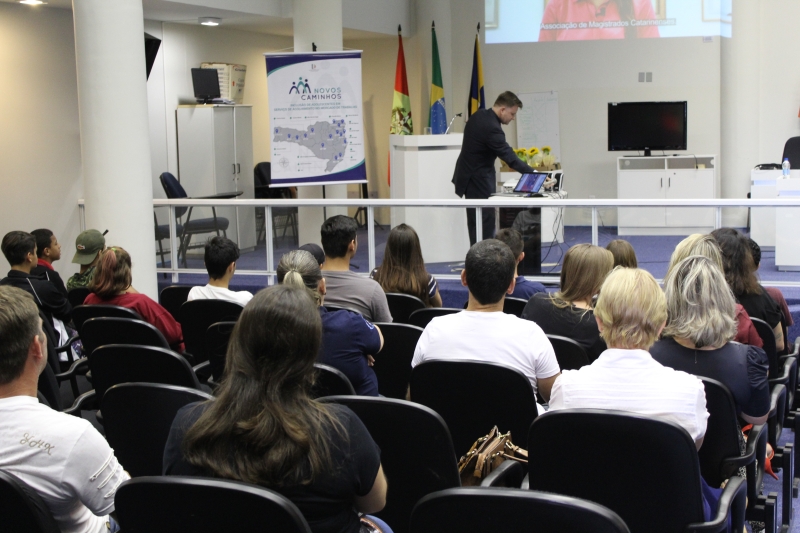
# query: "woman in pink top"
{"type": "Point", "coordinates": [587, 20]}
{"type": "Point", "coordinates": [112, 285]}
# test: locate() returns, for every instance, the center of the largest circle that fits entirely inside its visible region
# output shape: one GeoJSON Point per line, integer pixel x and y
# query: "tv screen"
{"type": "Point", "coordinates": [646, 126]}
{"type": "Point", "coordinates": [206, 83]}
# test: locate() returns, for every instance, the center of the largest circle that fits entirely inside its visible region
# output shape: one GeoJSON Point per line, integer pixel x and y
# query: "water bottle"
{"type": "Point", "coordinates": [787, 168]}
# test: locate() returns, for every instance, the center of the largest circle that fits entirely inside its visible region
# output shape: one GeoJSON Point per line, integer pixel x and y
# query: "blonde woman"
{"type": "Point", "coordinates": [568, 312]}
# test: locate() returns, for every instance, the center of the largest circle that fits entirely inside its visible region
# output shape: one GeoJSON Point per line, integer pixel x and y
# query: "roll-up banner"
{"type": "Point", "coordinates": [315, 115]}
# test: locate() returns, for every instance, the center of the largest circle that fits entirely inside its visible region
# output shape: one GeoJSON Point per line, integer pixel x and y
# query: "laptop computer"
{"type": "Point", "coordinates": [528, 184]}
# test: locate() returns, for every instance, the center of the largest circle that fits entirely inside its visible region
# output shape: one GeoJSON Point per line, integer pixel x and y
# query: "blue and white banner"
{"type": "Point", "coordinates": [315, 117]}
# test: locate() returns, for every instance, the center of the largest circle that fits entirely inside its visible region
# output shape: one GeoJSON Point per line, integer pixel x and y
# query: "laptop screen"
{"type": "Point", "coordinates": [531, 183]}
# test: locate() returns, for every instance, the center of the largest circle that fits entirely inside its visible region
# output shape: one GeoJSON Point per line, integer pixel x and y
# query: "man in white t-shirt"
{"type": "Point", "coordinates": [61, 457]}
{"type": "Point", "coordinates": [483, 332]}
{"type": "Point", "coordinates": [220, 258]}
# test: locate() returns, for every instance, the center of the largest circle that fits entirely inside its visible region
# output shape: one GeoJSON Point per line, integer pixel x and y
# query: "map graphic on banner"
{"type": "Point", "coordinates": [315, 115]}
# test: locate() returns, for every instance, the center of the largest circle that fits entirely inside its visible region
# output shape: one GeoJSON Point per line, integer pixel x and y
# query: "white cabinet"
{"type": "Point", "coordinates": [215, 155]}
{"type": "Point", "coordinates": [666, 177]}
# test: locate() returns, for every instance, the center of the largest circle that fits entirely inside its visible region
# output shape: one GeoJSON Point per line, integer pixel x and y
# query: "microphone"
{"type": "Point", "coordinates": [451, 123]}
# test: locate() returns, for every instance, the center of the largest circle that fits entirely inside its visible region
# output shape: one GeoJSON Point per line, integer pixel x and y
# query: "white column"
{"type": "Point", "coordinates": [318, 22]}
{"type": "Point", "coordinates": [115, 146]}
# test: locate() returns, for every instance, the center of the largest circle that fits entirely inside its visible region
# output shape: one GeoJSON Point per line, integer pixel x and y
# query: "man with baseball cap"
{"type": "Point", "coordinates": [88, 246]}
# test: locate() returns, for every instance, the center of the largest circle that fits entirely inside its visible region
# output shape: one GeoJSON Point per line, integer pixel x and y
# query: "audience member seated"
{"type": "Point", "coordinates": [775, 292]}
{"type": "Point", "coordinates": [263, 427]}
{"type": "Point", "coordinates": [700, 326]}
{"type": "Point", "coordinates": [623, 253]}
{"type": "Point", "coordinates": [346, 288]}
{"type": "Point", "coordinates": [61, 457]}
{"type": "Point", "coordinates": [706, 245]}
{"type": "Point", "coordinates": [522, 287]}
{"type": "Point", "coordinates": [220, 258]}
{"type": "Point", "coordinates": [740, 273]}
{"type": "Point", "coordinates": [403, 269]}
{"type": "Point", "coordinates": [19, 248]}
{"type": "Point", "coordinates": [316, 251]}
{"type": "Point", "coordinates": [113, 285]}
{"type": "Point", "coordinates": [47, 251]}
{"type": "Point", "coordinates": [348, 340]}
{"type": "Point", "coordinates": [568, 312]}
{"type": "Point", "coordinates": [88, 246]}
{"type": "Point", "coordinates": [483, 332]}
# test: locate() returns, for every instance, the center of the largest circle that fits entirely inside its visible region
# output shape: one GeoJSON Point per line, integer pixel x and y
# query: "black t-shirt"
{"type": "Point", "coordinates": [761, 306]}
{"type": "Point", "coordinates": [327, 502]}
{"type": "Point", "coordinates": [742, 368]}
{"type": "Point", "coordinates": [571, 322]}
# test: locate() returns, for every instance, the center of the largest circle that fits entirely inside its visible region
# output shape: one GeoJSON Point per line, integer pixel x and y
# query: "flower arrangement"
{"type": "Point", "coordinates": [543, 160]}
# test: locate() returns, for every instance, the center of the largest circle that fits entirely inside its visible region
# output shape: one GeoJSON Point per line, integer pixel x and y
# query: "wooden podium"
{"type": "Point", "coordinates": [422, 167]}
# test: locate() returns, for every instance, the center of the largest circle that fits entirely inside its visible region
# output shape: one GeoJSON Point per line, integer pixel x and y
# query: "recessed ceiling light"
{"type": "Point", "coordinates": [209, 21]}
{"type": "Point", "coordinates": [32, 2]}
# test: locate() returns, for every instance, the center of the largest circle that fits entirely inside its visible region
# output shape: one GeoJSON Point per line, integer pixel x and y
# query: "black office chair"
{"type": "Point", "coordinates": [77, 296]}
{"type": "Point", "coordinates": [174, 190]}
{"type": "Point", "coordinates": [402, 305]}
{"type": "Point", "coordinates": [137, 418]}
{"type": "Point", "coordinates": [393, 363]}
{"type": "Point", "coordinates": [416, 452]}
{"type": "Point", "coordinates": [422, 317]}
{"type": "Point", "coordinates": [162, 232]}
{"type": "Point", "coordinates": [655, 489]}
{"type": "Point", "coordinates": [82, 313]}
{"type": "Point", "coordinates": [331, 382]}
{"type": "Point", "coordinates": [792, 150]}
{"type": "Point", "coordinates": [195, 318]}
{"type": "Point", "coordinates": [173, 297]}
{"type": "Point", "coordinates": [514, 306]}
{"type": "Point", "coordinates": [569, 354]}
{"type": "Point", "coordinates": [22, 510]}
{"type": "Point", "coordinates": [282, 217]}
{"type": "Point", "coordinates": [217, 337]}
{"type": "Point", "coordinates": [165, 504]}
{"type": "Point", "coordinates": [480, 510]}
{"type": "Point", "coordinates": [101, 331]}
{"type": "Point", "coordinates": [473, 396]}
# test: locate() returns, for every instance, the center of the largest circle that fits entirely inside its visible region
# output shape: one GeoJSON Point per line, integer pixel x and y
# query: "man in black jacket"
{"type": "Point", "coordinates": [484, 141]}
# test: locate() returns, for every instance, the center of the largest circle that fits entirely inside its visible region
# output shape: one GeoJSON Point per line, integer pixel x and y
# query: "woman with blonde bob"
{"type": "Point", "coordinates": [568, 312]}
{"type": "Point", "coordinates": [697, 337]}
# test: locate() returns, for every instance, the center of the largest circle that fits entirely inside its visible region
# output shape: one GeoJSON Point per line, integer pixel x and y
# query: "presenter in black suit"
{"type": "Point", "coordinates": [484, 141]}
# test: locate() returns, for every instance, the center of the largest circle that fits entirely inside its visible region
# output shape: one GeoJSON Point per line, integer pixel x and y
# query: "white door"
{"type": "Point", "coordinates": [641, 185]}
{"type": "Point", "coordinates": [690, 183]}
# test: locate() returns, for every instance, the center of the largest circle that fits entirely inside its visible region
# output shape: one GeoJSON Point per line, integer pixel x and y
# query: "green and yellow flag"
{"type": "Point", "coordinates": [437, 118]}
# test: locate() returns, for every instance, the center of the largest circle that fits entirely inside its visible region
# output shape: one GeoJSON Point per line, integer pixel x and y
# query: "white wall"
{"type": "Point", "coordinates": [40, 151]}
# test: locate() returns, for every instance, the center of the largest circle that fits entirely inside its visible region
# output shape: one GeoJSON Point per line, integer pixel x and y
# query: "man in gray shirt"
{"type": "Point", "coordinates": [346, 288]}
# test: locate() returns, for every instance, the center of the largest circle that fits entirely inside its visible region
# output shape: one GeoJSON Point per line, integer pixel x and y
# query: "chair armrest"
{"type": "Point", "coordinates": [526, 482]}
{"type": "Point", "coordinates": [733, 497]}
{"type": "Point", "coordinates": [756, 433]}
{"type": "Point", "coordinates": [796, 349]}
{"type": "Point", "coordinates": [81, 403]}
{"type": "Point", "coordinates": [67, 345]}
{"type": "Point", "coordinates": [218, 196]}
{"type": "Point", "coordinates": [784, 372]}
{"type": "Point", "coordinates": [81, 366]}
{"type": "Point", "coordinates": [776, 403]}
{"type": "Point", "coordinates": [508, 474]}
{"type": "Point", "coordinates": [202, 366]}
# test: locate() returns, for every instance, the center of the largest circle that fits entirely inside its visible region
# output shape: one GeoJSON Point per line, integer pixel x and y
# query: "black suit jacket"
{"type": "Point", "coordinates": [484, 141]}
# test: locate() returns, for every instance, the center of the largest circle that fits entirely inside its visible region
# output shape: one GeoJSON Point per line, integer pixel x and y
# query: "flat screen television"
{"type": "Point", "coordinates": [646, 126]}
{"type": "Point", "coordinates": [206, 84]}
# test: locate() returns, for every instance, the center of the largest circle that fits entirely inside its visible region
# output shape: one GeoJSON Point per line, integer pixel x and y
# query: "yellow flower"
{"type": "Point", "coordinates": [532, 151]}
{"type": "Point", "coordinates": [546, 150]}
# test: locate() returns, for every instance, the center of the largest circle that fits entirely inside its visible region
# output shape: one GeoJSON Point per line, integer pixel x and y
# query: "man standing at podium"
{"type": "Point", "coordinates": [484, 141]}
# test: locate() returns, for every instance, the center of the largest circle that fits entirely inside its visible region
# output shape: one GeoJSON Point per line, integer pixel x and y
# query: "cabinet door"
{"type": "Point", "coordinates": [690, 183]}
{"type": "Point", "coordinates": [243, 140]}
{"type": "Point", "coordinates": [640, 185]}
{"type": "Point", "coordinates": [224, 150]}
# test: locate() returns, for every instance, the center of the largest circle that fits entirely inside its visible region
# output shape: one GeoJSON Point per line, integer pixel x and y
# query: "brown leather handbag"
{"type": "Point", "coordinates": [486, 454]}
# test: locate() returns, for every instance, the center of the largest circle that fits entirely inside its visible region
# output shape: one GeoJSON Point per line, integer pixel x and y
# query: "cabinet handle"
{"type": "Point", "coordinates": [669, 181]}
{"type": "Point", "coordinates": [662, 183]}
{"type": "Point", "coordinates": [234, 167]}
{"type": "Point", "coordinates": [238, 168]}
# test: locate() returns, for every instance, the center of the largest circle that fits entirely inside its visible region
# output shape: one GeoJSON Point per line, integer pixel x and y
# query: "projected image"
{"type": "Point", "coordinates": [524, 21]}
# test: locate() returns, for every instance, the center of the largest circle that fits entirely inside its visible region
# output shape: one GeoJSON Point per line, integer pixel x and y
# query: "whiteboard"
{"type": "Point", "coordinates": [537, 122]}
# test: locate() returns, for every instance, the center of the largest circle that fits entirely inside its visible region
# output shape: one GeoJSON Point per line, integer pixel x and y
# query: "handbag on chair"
{"type": "Point", "coordinates": [486, 454]}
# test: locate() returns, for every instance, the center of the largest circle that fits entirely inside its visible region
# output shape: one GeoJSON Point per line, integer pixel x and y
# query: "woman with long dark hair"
{"type": "Point", "coordinates": [264, 428]}
{"type": "Point", "coordinates": [403, 269]}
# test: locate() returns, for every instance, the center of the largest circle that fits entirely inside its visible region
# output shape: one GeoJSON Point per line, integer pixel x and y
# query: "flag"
{"type": "Point", "coordinates": [476, 98]}
{"type": "Point", "coordinates": [401, 105]}
{"type": "Point", "coordinates": [437, 118]}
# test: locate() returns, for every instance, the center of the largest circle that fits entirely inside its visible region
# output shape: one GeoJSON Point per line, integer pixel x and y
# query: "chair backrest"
{"type": "Point", "coordinates": [173, 297]}
{"type": "Point", "coordinates": [217, 337]}
{"type": "Point", "coordinates": [100, 331]}
{"type": "Point", "coordinates": [402, 305]}
{"type": "Point", "coordinates": [331, 382]}
{"type": "Point", "coordinates": [416, 452]}
{"type": "Point", "coordinates": [137, 418]}
{"type": "Point", "coordinates": [195, 318]}
{"type": "Point", "coordinates": [478, 510]}
{"type": "Point", "coordinates": [112, 364]}
{"type": "Point", "coordinates": [569, 354]}
{"type": "Point", "coordinates": [644, 469]}
{"type": "Point", "coordinates": [514, 306]}
{"type": "Point", "coordinates": [82, 313]}
{"type": "Point", "coordinates": [263, 174]}
{"type": "Point", "coordinates": [768, 338]}
{"type": "Point", "coordinates": [164, 504]}
{"type": "Point", "coordinates": [473, 396]}
{"type": "Point", "coordinates": [173, 189]}
{"type": "Point", "coordinates": [22, 510]}
{"type": "Point", "coordinates": [393, 363]}
{"type": "Point", "coordinates": [77, 295]}
{"type": "Point", "coordinates": [792, 150]}
{"type": "Point", "coordinates": [421, 317]}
